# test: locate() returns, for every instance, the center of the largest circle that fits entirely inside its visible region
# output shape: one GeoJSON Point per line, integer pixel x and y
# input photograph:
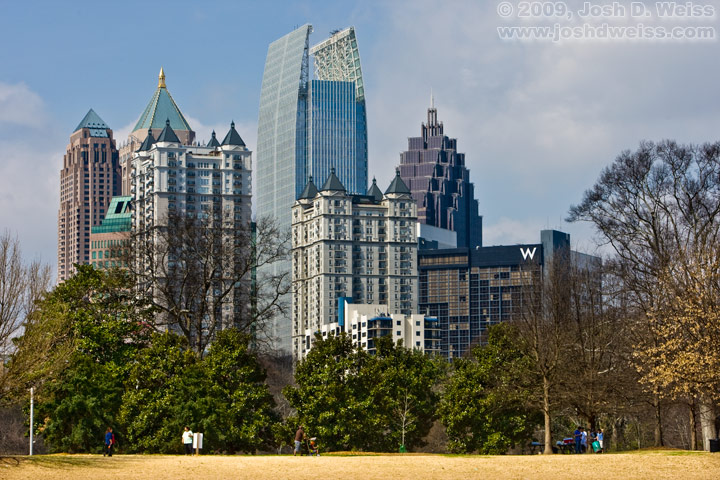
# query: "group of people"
{"type": "Point", "coordinates": [597, 440]}
{"type": "Point", "coordinates": [110, 442]}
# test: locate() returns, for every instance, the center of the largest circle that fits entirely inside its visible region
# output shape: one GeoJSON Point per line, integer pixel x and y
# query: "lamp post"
{"type": "Point", "coordinates": [32, 401]}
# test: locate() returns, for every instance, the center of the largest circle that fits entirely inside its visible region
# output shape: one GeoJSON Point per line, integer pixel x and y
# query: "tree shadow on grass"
{"type": "Point", "coordinates": [59, 461]}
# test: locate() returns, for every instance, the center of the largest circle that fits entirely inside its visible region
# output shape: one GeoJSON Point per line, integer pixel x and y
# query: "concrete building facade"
{"type": "Point", "coordinates": [160, 108]}
{"type": "Point", "coordinates": [357, 247]}
{"type": "Point", "coordinates": [365, 323]}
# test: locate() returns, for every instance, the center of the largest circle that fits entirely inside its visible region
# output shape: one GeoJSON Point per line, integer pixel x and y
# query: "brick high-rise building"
{"type": "Point", "coordinates": [90, 177]}
{"type": "Point", "coordinates": [440, 183]}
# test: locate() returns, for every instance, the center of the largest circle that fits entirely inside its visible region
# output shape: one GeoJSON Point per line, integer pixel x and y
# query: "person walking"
{"type": "Point", "coordinates": [187, 439]}
{"type": "Point", "coordinates": [583, 440]}
{"type": "Point", "coordinates": [601, 440]}
{"type": "Point", "coordinates": [299, 437]}
{"type": "Point", "coordinates": [109, 442]}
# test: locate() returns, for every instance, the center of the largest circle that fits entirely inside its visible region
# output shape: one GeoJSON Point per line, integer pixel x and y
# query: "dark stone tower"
{"type": "Point", "coordinates": [440, 183]}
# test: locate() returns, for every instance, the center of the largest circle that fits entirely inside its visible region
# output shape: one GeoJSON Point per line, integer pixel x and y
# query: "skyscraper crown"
{"type": "Point", "coordinates": [162, 107]}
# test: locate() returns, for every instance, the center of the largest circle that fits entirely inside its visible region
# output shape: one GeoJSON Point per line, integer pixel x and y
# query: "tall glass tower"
{"type": "Point", "coordinates": [306, 127]}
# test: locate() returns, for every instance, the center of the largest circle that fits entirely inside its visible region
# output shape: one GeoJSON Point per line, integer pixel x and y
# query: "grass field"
{"type": "Point", "coordinates": [642, 465]}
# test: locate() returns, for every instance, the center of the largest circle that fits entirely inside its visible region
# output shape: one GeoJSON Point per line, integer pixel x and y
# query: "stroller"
{"type": "Point", "coordinates": [312, 446]}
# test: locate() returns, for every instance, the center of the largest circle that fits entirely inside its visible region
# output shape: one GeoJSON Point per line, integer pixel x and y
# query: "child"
{"type": "Point", "coordinates": [314, 447]}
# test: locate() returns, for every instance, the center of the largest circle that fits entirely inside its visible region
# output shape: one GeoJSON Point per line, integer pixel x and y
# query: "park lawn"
{"type": "Point", "coordinates": [651, 465]}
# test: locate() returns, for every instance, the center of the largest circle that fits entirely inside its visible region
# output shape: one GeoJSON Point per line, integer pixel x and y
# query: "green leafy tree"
{"type": "Point", "coordinates": [163, 395]}
{"type": "Point", "coordinates": [403, 391]}
{"type": "Point", "coordinates": [102, 328]}
{"type": "Point", "coordinates": [332, 396]}
{"type": "Point", "coordinates": [484, 406]}
{"type": "Point", "coordinates": [223, 396]}
{"type": "Point", "coordinates": [241, 413]}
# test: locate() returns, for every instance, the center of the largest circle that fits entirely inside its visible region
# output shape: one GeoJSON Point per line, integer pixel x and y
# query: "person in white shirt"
{"type": "Point", "coordinates": [187, 438]}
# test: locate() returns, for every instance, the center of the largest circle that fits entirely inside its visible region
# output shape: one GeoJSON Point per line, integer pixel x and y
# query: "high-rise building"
{"type": "Point", "coordinates": [470, 289]}
{"type": "Point", "coordinates": [160, 108]}
{"type": "Point", "coordinates": [168, 176]}
{"type": "Point", "coordinates": [175, 182]}
{"type": "Point", "coordinates": [440, 182]}
{"type": "Point", "coordinates": [90, 177]}
{"type": "Point", "coordinates": [360, 248]}
{"type": "Point", "coordinates": [110, 240]}
{"type": "Point", "coordinates": [307, 127]}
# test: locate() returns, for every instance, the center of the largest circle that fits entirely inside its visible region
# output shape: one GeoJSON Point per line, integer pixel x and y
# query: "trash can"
{"type": "Point", "coordinates": [715, 444]}
{"type": "Point", "coordinates": [403, 449]}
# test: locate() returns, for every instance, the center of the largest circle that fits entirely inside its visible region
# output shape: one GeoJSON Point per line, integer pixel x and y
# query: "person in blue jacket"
{"type": "Point", "coordinates": [109, 442]}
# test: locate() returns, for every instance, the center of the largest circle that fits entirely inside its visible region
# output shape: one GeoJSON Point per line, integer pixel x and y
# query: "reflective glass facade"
{"type": "Point", "coordinates": [307, 128]}
{"type": "Point", "coordinates": [337, 134]}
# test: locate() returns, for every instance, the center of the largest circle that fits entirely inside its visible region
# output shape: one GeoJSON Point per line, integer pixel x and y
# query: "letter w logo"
{"type": "Point", "coordinates": [526, 252]}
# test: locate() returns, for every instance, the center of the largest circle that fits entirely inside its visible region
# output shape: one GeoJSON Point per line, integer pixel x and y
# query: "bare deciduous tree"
{"type": "Point", "coordinates": [205, 273]}
{"type": "Point", "coordinates": [21, 286]}
{"type": "Point", "coordinates": [659, 210]}
{"type": "Point", "coordinates": [544, 326]}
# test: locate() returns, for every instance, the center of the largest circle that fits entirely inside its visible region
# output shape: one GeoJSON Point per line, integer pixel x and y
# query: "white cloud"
{"type": "Point", "coordinates": [21, 106]}
{"type": "Point", "coordinates": [537, 121]}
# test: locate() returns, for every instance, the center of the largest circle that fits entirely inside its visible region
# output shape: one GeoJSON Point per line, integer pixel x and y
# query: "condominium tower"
{"type": "Point", "coordinates": [88, 181]}
{"type": "Point", "coordinates": [307, 127]}
{"type": "Point", "coordinates": [360, 248]}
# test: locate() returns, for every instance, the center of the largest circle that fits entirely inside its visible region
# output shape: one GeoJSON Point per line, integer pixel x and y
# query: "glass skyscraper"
{"type": "Point", "coordinates": [306, 127]}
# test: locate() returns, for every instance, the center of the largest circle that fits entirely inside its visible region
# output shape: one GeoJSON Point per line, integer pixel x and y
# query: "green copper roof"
{"type": "Point", "coordinates": [118, 217]}
{"type": "Point", "coordinates": [333, 183]}
{"type": "Point", "coordinates": [397, 185]}
{"type": "Point", "coordinates": [375, 192]}
{"type": "Point", "coordinates": [162, 107]}
{"type": "Point", "coordinates": [310, 190]}
{"type": "Point", "coordinates": [97, 126]}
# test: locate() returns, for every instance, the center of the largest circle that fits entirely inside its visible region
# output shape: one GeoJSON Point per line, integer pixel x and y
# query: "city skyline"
{"type": "Point", "coordinates": [537, 121]}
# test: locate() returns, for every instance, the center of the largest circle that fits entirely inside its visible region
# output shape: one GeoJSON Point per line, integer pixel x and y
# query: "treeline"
{"type": "Point", "coordinates": [629, 345]}
{"type": "Point", "coordinates": [89, 350]}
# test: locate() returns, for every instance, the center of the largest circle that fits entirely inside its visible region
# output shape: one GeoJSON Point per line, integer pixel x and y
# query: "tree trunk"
{"type": "Point", "coordinates": [546, 412]}
{"type": "Point", "coordinates": [706, 410]}
{"type": "Point", "coordinates": [693, 427]}
{"type": "Point", "coordinates": [658, 423]}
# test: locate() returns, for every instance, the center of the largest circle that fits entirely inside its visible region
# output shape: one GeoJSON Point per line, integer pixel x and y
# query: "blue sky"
{"type": "Point", "coordinates": [536, 120]}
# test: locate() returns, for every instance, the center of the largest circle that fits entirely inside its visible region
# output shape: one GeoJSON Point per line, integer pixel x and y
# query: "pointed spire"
{"type": "Point", "coordinates": [397, 185]}
{"type": "Point", "coordinates": [310, 190]}
{"type": "Point", "coordinates": [233, 137]}
{"type": "Point", "coordinates": [148, 142]}
{"type": "Point", "coordinates": [432, 99]}
{"type": "Point", "coordinates": [375, 192]}
{"type": "Point", "coordinates": [213, 141]}
{"type": "Point", "coordinates": [333, 183]}
{"type": "Point", "coordinates": [162, 105]}
{"type": "Point", "coordinates": [168, 134]}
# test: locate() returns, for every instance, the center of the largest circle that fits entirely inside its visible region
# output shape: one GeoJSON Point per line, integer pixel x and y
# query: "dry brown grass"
{"type": "Point", "coordinates": [645, 465]}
